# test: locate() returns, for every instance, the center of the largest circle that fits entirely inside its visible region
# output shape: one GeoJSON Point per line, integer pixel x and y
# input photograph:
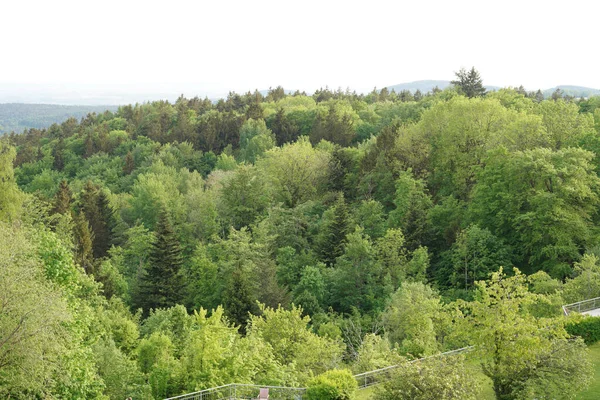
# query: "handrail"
{"type": "Point", "coordinates": [368, 378]}
{"type": "Point", "coordinates": [364, 380]}
{"type": "Point", "coordinates": [582, 306]}
{"type": "Point", "coordinates": [230, 391]}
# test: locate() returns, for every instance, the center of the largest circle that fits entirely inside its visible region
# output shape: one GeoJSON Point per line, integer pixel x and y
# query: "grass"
{"type": "Point", "coordinates": [591, 393]}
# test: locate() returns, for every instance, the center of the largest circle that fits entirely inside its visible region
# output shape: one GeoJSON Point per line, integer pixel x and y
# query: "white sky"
{"type": "Point", "coordinates": [242, 45]}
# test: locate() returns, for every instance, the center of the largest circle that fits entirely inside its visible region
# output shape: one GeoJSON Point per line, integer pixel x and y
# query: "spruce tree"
{"type": "Point", "coordinates": [62, 199]}
{"type": "Point", "coordinates": [469, 83]}
{"type": "Point", "coordinates": [332, 237]}
{"type": "Point", "coordinates": [84, 239]}
{"type": "Point", "coordinates": [162, 285]}
{"type": "Point", "coordinates": [97, 210]}
{"type": "Point", "coordinates": [129, 164]}
{"type": "Point", "coordinates": [238, 300]}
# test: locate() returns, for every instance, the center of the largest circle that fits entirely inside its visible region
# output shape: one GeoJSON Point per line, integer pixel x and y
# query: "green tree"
{"type": "Point", "coordinates": [437, 378]}
{"type": "Point", "coordinates": [162, 286]}
{"type": "Point", "coordinates": [10, 195]}
{"type": "Point", "coordinates": [63, 199]}
{"type": "Point", "coordinates": [540, 202]}
{"type": "Point", "coordinates": [477, 253]}
{"type": "Point", "coordinates": [94, 204]}
{"type": "Point", "coordinates": [335, 227]}
{"type": "Point", "coordinates": [524, 356]}
{"type": "Point", "coordinates": [410, 318]}
{"type": "Point", "coordinates": [469, 82]}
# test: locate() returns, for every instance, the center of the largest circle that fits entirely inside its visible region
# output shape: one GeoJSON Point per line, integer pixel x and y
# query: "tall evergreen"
{"type": "Point", "coordinates": [129, 164]}
{"type": "Point", "coordinates": [162, 285]}
{"type": "Point", "coordinates": [84, 239]}
{"type": "Point", "coordinates": [238, 300]}
{"type": "Point", "coordinates": [469, 82]}
{"type": "Point", "coordinates": [332, 236]}
{"type": "Point", "coordinates": [62, 199]}
{"type": "Point", "coordinates": [97, 210]}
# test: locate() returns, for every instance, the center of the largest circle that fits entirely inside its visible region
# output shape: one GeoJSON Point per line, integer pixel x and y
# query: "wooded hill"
{"type": "Point", "coordinates": [269, 239]}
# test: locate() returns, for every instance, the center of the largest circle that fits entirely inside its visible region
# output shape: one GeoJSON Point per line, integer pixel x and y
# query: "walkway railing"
{"type": "Point", "coordinates": [374, 377]}
{"type": "Point", "coordinates": [582, 306]}
{"type": "Point", "coordinates": [236, 391]}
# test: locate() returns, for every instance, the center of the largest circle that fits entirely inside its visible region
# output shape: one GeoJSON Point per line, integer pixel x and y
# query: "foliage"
{"type": "Point", "coordinates": [431, 379]}
{"type": "Point", "coordinates": [332, 385]}
{"type": "Point", "coordinates": [587, 328]}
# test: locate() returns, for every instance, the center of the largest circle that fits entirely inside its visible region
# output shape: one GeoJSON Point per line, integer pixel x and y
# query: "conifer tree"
{"type": "Point", "coordinates": [58, 154]}
{"type": "Point", "coordinates": [162, 285]}
{"type": "Point", "coordinates": [84, 239]}
{"type": "Point", "coordinates": [469, 83]}
{"type": "Point", "coordinates": [97, 210]}
{"type": "Point", "coordinates": [334, 232]}
{"type": "Point", "coordinates": [62, 199]}
{"type": "Point", "coordinates": [129, 164]}
{"type": "Point", "coordinates": [238, 300]}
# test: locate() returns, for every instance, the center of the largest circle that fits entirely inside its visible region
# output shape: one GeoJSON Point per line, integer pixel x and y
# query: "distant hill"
{"type": "Point", "coordinates": [427, 86]}
{"type": "Point", "coordinates": [18, 116]}
{"type": "Point", "coordinates": [575, 91]}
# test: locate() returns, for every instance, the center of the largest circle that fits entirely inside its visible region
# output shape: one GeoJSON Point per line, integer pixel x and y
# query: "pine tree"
{"type": "Point", "coordinates": [238, 300]}
{"type": "Point", "coordinates": [162, 285]}
{"type": "Point", "coordinates": [84, 239]}
{"type": "Point", "coordinates": [62, 199]}
{"type": "Point", "coordinates": [129, 164]}
{"type": "Point", "coordinates": [469, 83]}
{"type": "Point", "coordinates": [332, 237]}
{"type": "Point", "coordinates": [58, 154]}
{"type": "Point", "coordinates": [97, 210]}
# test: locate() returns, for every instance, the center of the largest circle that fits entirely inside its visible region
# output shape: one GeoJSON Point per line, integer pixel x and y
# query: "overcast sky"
{"type": "Point", "coordinates": [242, 45]}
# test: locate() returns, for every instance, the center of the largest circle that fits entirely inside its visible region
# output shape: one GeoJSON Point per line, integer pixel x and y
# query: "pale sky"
{"type": "Point", "coordinates": [244, 45]}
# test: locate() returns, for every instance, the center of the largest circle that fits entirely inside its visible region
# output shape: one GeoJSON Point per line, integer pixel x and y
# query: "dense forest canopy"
{"type": "Point", "coordinates": [272, 238]}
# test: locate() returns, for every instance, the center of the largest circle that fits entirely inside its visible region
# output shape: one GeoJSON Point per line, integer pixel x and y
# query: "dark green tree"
{"type": "Point", "coordinates": [239, 301]}
{"type": "Point", "coordinates": [129, 164]}
{"type": "Point", "coordinates": [469, 82]}
{"type": "Point", "coordinates": [97, 210]}
{"type": "Point", "coordinates": [162, 285]}
{"type": "Point", "coordinates": [335, 228]}
{"type": "Point", "coordinates": [62, 199]}
{"type": "Point", "coordinates": [83, 238]}
{"type": "Point", "coordinates": [58, 154]}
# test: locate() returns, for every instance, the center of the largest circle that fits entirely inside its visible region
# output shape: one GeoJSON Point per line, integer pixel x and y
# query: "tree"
{"type": "Point", "coordinates": [296, 171]}
{"type": "Point", "coordinates": [475, 254]}
{"type": "Point", "coordinates": [334, 229]}
{"type": "Point", "coordinates": [409, 319]}
{"type": "Point", "coordinates": [541, 203]}
{"type": "Point", "coordinates": [469, 82]}
{"type": "Point", "coordinates": [446, 378]}
{"type": "Point", "coordinates": [524, 356]}
{"type": "Point", "coordinates": [63, 199]}
{"type": "Point", "coordinates": [239, 301]}
{"type": "Point", "coordinates": [162, 285]}
{"type": "Point", "coordinates": [84, 239]}
{"type": "Point", "coordinates": [129, 165]}
{"type": "Point", "coordinates": [10, 195]}
{"type": "Point", "coordinates": [94, 204]}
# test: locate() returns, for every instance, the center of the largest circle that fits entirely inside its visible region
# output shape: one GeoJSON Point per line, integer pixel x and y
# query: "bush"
{"type": "Point", "coordinates": [336, 384]}
{"type": "Point", "coordinates": [587, 328]}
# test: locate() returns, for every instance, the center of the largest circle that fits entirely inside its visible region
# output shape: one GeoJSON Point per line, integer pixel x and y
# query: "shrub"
{"type": "Point", "coordinates": [336, 384]}
{"type": "Point", "coordinates": [587, 328]}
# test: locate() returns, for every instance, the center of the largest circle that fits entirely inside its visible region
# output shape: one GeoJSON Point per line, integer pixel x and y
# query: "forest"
{"type": "Point", "coordinates": [295, 240]}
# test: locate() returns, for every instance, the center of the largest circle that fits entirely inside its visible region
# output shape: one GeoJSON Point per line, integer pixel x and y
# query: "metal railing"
{"type": "Point", "coordinates": [582, 306]}
{"type": "Point", "coordinates": [235, 391]}
{"type": "Point", "coordinates": [374, 377]}
{"type": "Point", "coordinates": [239, 391]}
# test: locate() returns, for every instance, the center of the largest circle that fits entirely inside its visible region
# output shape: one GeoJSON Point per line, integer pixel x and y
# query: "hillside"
{"type": "Point", "coordinates": [271, 239]}
{"type": "Point", "coordinates": [574, 91]}
{"type": "Point", "coordinates": [18, 116]}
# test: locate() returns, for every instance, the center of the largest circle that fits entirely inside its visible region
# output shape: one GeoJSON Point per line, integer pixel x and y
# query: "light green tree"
{"type": "Point", "coordinates": [524, 356]}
